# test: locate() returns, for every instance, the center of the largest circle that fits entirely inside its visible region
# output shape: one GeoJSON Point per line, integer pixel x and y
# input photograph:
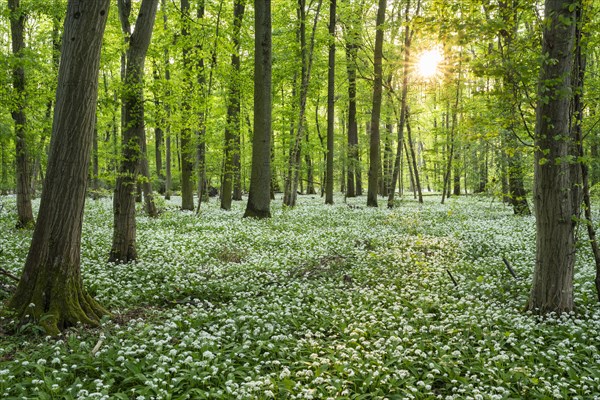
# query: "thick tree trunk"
{"type": "Point", "coordinates": [17, 27]}
{"type": "Point", "coordinates": [259, 198]}
{"type": "Point", "coordinates": [552, 289]}
{"type": "Point", "coordinates": [374, 153]}
{"type": "Point", "coordinates": [133, 141]}
{"type": "Point", "coordinates": [51, 289]}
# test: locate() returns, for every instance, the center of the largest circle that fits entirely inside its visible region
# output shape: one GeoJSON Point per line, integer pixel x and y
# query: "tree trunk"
{"type": "Point", "coordinates": [95, 183]}
{"type": "Point", "coordinates": [403, 108]}
{"type": "Point", "coordinates": [168, 162]}
{"type": "Point", "coordinates": [456, 174]}
{"type": "Point", "coordinates": [51, 289]}
{"type": "Point", "coordinates": [307, 60]}
{"type": "Point", "coordinates": [17, 27]}
{"type": "Point", "coordinates": [352, 164]}
{"type": "Point", "coordinates": [552, 289]}
{"type": "Point", "coordinates": [133, 146]}
{"type": "Point", "coordinates": [259, 198]}
{"type": "Point", "coordinates": [414, 159]}
{"type": "Point", "coordinates": [232, 128]}
{"type": "Point", "coordinates": [330, 104]}
{"type": "Point", "coordinates": [516, 195]}
{"type": "Point", "coordinates": [374, 153]}
{"type": "Point", "coordinates": [186, 149]}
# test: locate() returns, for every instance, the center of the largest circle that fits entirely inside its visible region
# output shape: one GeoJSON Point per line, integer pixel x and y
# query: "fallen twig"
{"type": "Point", "coordinates": [451, 277]}
{"type": "Point", "coordinates": [8, 274]}
{"type": "Point", "coordinates": [510, 269]}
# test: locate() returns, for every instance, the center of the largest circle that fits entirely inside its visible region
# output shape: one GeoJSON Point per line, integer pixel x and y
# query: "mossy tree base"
{"type": "Point", "coordinates": [56, 299]}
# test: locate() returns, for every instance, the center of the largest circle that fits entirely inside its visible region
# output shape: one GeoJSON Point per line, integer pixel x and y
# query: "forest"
{"type": "Point", "coordinates": [353, 199]}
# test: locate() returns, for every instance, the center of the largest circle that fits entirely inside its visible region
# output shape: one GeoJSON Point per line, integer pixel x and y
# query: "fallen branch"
{"type": "Point", "coordinates": [8, 274]}
{"type": "Point", "coordinates": [451, 277]}
{"type": "Point", "coordinates": [510, 269]}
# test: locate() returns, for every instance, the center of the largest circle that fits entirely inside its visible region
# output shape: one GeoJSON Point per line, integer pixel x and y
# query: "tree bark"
{"type": "Point", "coordinates": [51, 289]}
{"type": "Point", "coordinates": [259, 198]}
{"type": "Point", "coordinates": [374, 153]}
{"type": "Point", "coordinates": [133, 141]}
{"type": "Point", "coordinates": [17, 28]}
{"type": "Point", "coordinates": [552, 289]}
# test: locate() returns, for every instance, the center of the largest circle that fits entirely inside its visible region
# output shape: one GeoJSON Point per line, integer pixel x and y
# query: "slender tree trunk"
{"type": "Point", "coordinates": [51, 290]}
{"type": "Point", "coordinates": [259, 198]}
{"type": "Point", "coordinates": [307, 60]}
{"type": "Point", "coordinates": [517, 195]}
{"type": "Point", "coordinates": [330, 104]}
{"type": "Point", "coordinates": [351, 55]}
{"type": "Point", "coordinates": [414, 159]}
{"type": "Point", "coordinates": [552, 288]}
{"type": "Point", "coordinates": [374, 153]}
{"type": "Point", "coordinates": [168, 162]}
{"type": "Point", "coordinates": [95, 182]}
{"type": "Point", "coordinates": [232, 128]}
{"type": "Point", "coordinates": [133, 141]}
{"type": "Point", "coordinates": [456, 174]}
{"type": "Point", "coordinates": [17, 27]}
{"type": "Point", "coordinates": [413, 187]}
{"type": "Point", "coordinates": [186, 149]}
{"type": "Point", "coordinates": [403, 108]}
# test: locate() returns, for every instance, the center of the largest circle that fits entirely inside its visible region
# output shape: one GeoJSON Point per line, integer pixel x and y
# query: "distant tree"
{"type": "Point", "coordinates": [330, 104]}
{"type": "Point", "coordinates": [133, 141]}
{"type": "Point", "coordinates": [232, 128]}
{"type": "Point", "coordinates": [556, 195]}
{"type": "Point", "coordinates": [374, 145]}
{"type": "Point", "coordinates": [187, 150]}
{"type": "Point", "coordinates": [17, 30]}
{"type": "Point", "coordinates": [259, 198]}
{"type": "Point", "coordinates": [51, 289]}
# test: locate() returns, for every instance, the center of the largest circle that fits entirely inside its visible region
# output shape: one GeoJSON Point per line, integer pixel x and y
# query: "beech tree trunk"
{"type": "Point", "coordinates": [51, 289]}
{"type": "Point", "coordinates": [259, 198]}
{"type": "Point", "coordinates": [555, 208]}
{"type": "Point", "coordinates": [186, 148]}
{"type": "Point", "coordinates": [232, 128]}
{"type": "Point", "coordinates": [330, 104]}
{"type": "Point", "coordinates": [17, 28]}
{"type": "Point", "coordinates": [133, 140]}
{"type": "Point", "coordinates": [374, 145]}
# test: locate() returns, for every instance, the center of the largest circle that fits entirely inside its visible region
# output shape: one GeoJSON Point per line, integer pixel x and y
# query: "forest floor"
{"type": "Point", "coordinates": [318, 302]}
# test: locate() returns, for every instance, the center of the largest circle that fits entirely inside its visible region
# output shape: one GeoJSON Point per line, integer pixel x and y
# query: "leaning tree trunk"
{"type": "Point", "coordinates": [51, 289]}
{"type": "Point", "coordinates": [123, 243]}
{"type": "Point", "coordinates": [374, 154]}
{"type": "Point", "coordinates": [259, 198]}
{"type": "Point", "coordinates": [552, 289]}
{"type": "Point", "coordinates": [17, 28]}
